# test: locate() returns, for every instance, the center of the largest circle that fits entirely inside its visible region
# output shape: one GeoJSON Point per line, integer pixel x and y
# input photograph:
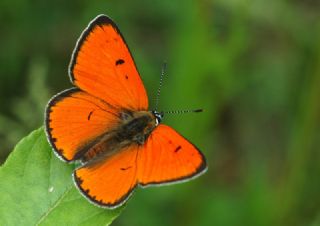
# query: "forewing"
{"type": "Point", "coordinates": [75, 121]}
{"type": "Point", "coordinates": [168, 157]}
{"type": "Point", "coordinates": [102, 65]}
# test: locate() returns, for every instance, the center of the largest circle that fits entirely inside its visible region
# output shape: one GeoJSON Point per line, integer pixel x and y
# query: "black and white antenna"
{"type": "Point", "coordinates": [163, 71]}
{"type": "Point", "coordinates": [183, 111]}
{"type": "Point", "coordinates": [159, 115]}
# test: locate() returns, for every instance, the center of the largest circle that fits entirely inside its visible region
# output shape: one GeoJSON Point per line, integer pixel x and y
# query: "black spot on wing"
{"type": "Point", "coordinates": [126, 168]}
{"type": "Point", "coordinates": [177, 149]}
{"type": "Point", "coordinates": [90, 114]}
{"type": "Point", "coordinates": [119, 62]}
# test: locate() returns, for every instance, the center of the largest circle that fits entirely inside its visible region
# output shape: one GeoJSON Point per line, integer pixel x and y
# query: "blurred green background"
{"type": "Point", "coordinates": [253, 66]}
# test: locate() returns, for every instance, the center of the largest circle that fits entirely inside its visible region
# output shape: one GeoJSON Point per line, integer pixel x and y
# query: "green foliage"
{"type": "Point", "coordinates": [252, 65]}
{"type": "Point", "coordinates": [26, 111]}
{"type": "Point", "coordinates": [37, 189]}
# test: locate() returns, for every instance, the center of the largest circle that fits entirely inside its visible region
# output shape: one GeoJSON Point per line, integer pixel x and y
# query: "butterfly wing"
{"type": "Point", "coordinates": [102, 65]}
{"type": "Point", "coordinates": [75, 120]}
{"type": "Point", "coordinates": [110, 181]}
{"type": "Point", "coordinates": [168, 157]}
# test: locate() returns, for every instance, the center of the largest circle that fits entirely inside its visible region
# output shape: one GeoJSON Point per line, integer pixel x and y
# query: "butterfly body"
{"type": "Point", "coordinates": [105, 124]}
{"type": "Point", "coordinates": [133, 129]}
{"type": "Point", "coordinates": [136, 126]}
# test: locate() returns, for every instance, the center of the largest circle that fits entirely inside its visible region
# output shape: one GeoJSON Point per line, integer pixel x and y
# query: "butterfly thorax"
{"type": "Point", "coordinates": [136, 126]}
{"type": "Point", "coordinates": [133, 128]}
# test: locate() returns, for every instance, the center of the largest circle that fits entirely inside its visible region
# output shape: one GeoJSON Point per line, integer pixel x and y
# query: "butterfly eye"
{"type": "Point", "coordinates": [158, 116]}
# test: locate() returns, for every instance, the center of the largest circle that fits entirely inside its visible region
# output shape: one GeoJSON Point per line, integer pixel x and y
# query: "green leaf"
{"type": "Point", "coordinates": [37, 189]}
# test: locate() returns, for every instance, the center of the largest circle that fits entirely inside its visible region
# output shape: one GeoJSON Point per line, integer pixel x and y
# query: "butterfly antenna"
{"type": "Point", "coordinates": [163, 70]}
{"type": "Point", "coordinates": [183, 111]}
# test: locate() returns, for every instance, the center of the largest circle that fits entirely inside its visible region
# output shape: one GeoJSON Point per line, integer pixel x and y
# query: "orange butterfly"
{"type": "Point", "coordinates": [104, 122]}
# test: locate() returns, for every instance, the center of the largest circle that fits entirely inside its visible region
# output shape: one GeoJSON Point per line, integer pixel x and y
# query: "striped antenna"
{"type": "Point", "coordinates": [183, 111]}
{"type": "Point", "coordinates": [163, 71]}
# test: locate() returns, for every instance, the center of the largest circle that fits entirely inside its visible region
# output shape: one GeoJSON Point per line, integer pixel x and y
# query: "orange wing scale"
{"type": "Point", "coordinates": [168, 157]}
{"type": "Point", "coordinates": [76, 119]}
{"type": "Point", "coordinates": [109, 182]}
{"type": "Point", "coordinates": [103, 66]}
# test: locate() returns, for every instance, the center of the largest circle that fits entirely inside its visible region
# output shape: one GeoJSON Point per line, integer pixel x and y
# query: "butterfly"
{"type": "Point", "coordinates": [104, 123]}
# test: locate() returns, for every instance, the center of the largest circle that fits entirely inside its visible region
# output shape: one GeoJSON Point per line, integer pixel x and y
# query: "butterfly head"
{"type": "Point", "coordinates": [158, 116]}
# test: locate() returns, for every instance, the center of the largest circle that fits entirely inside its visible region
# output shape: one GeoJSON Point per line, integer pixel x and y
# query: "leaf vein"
{"type": "Point", "coordinates": [54, 206]}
